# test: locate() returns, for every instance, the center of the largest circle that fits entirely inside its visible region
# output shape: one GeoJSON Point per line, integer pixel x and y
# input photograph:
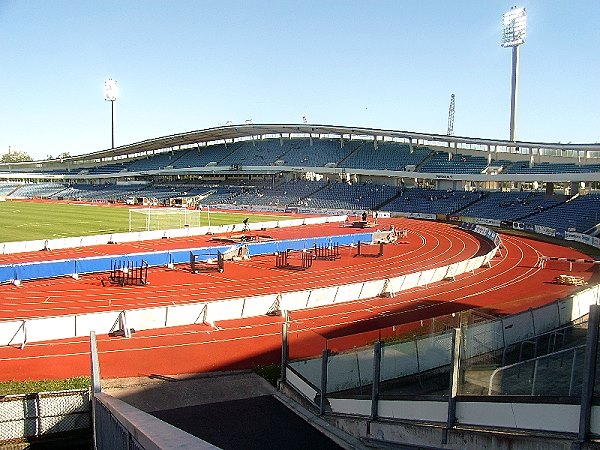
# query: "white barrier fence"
{"type": "Point", "coordinates": [19, 332]}
{"type": "Point", "coordinates": [353, 369]}
{"type": "Point", "coordinates": [88, 241]}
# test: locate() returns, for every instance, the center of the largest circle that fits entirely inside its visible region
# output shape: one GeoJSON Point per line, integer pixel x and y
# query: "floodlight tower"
{"type": "Point", "coordinates": [513, 35]}
{"type": "Point", "coordinates": [111, 91]}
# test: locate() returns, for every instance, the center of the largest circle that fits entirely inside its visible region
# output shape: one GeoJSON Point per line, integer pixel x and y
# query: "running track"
{"type": "Point", "coordinates": [512, 284]}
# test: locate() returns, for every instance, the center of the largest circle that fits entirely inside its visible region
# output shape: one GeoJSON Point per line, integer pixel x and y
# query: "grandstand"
{"type": "Point", "coordinates": [548, 189]}
{"type": "Point", "coordinates": [314, 167]}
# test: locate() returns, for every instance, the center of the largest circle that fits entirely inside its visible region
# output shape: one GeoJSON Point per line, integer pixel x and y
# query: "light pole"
{"type": "Point", "coordinates": [513, 35]}
{"type": "Point", "coordinates": [111, 91]}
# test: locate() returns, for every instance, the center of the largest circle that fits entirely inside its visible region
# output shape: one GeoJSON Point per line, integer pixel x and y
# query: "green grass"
{"type": "Point", "coordinates": [30, 387]}
{"type": "Point", "coordinates": [26, 221]}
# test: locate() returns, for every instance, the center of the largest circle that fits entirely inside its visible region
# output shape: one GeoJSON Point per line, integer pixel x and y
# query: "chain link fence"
{"type": "Point", "coordinates": [28, 417]}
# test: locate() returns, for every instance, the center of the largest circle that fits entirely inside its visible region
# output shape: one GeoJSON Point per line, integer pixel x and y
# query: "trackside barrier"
{"type": "Point", "coordinates": [256, 306]}
{"type": "Point", "coordinates": [50, 328]}
{"type": "Point", "coordinates": [179, 315]}
{"type": "Point", "coordinates": [347, 291]}
{"type": "Point", "coordinates": [70, 267]}
{"type": "Point", "coordinates": [322, 296]}
{"type": "Point", "coordinates": [290, 301]}
{"type": "Point", "coordinates": [224, 310]}
{"type": "Point", "coordinates": [19, 332]}
{"type": "Point", "coordinates": [371, 289]}
{"type": "Point", "coordinates": [520, 415]}
{"type": "Point", "coordinates": [87, 241]}
{"type": "Point", "coordinates": [353, 369]}
{"type": "Point", "coordinates": [434, 351]}
{"type": "Point", "coordinates": [13, 333]}
{"type": "Point", "coordinates": [539, 229]}
{"type": "Point", "coordinates": [86, 323]}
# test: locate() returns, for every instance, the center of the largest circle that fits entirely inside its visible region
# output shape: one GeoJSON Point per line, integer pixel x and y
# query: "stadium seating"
{"type": "Point", "coordinates": [431, 201]}
{"type": "Point", "coordinates": [202, 156]}
{"type": "Point", "coordinates": [511, 205]}
{"type": "Point", "coordinates": [8, 188]}
{"type": "Point", "coordinates": [546, 168]}
{"type": "Point", "coordinates": [346, 196]}
{"type": "Point", "coordinates": [439, 162]}
{"type": "Point", "coordinates": [579, 214]}
{"type": "Point", "coordinates": [281, 195]}
{"type": "Point", "coordinates": [322, 152]}
{"type": "Point", "coordinates": [37, 190]}
{"type": "Point", "coordinates": [389, 155]}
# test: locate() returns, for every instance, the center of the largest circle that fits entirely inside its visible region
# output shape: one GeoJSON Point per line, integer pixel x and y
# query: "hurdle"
{"type": "Point", "coordinates": [327, 252]}
{"type": "Point", "coordinates": [360, 252]}
{"type": "Point", "coordinates": [197, 265]}
{"type": "Point", "coordinates": [128, 273]}
{"type": "Point", "coordinates": [288, 259]}
{"type": "Point", "coordinates": [542, 262]}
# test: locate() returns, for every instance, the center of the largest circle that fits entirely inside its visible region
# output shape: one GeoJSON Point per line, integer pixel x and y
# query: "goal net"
{"type": "Point", "coordinates": [152, 219]}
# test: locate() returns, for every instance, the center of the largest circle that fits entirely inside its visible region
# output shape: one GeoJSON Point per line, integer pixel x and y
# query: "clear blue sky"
{"type": "Point", "coordinates": [391, 64]}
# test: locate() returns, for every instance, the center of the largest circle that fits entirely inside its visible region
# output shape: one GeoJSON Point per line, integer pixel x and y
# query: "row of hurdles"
{"type": "Point", "coordinates": [128, 273]}
{"type": "Point", "coordinates": [303, 259]}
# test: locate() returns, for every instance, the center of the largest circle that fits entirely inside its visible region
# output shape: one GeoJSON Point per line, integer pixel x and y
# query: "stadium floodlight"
{"type": "Point", "coordinates": [111, 91]}
{"type": "Point", "coordinates": [513, 35]}
{"type": "Point", "coordinates": [514, 27]}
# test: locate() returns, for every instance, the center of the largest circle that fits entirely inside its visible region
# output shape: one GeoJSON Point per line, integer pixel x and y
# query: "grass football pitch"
{"type": "Point", "coordinates": [26, 221]}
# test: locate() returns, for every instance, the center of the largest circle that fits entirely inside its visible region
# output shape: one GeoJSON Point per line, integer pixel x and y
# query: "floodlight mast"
{"type": "Point", "coordinates": [513, 35]}
{"type": "Point", "coordinates": [111, 91]}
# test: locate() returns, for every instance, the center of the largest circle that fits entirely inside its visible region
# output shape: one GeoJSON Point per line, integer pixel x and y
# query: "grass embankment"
{"type": "Point", "coordinates": [30, 387]}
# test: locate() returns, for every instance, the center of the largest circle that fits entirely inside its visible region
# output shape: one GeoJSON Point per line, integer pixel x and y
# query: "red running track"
{"type": "Point", "coordinates": [512, 284]}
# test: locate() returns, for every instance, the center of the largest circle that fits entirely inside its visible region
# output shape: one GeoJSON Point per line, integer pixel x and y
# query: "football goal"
{"type": "Point", "coordinates": [152, 219]}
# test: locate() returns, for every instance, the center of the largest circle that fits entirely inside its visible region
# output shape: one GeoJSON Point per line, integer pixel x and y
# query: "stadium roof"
{"type": "Point", "coordinates": [241, 131]}
{"type": "Point", "coordinates": [232, 132]}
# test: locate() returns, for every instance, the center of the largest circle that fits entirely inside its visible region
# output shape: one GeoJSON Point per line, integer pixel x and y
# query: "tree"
{"type": "Point", "coordinates": [15, 156]}
{"type": "Point", "coordinates": [63, 155]}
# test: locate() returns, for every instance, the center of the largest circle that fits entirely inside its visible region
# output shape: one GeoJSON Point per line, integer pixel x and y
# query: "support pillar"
{"type": "Point", "coordinates": [376, 376]}
{"type": "Point", "coordinates": [454, 382]}
{"type": "Point", "coordinates": [284, 352]}
{"type": "Point", "coordinates": [589, 375]}
{"type": "Point", "coordinates": [324, 361]}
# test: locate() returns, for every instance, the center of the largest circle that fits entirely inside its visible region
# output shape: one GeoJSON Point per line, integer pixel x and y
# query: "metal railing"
{"type": "Point", "coordinates": [536, 365]}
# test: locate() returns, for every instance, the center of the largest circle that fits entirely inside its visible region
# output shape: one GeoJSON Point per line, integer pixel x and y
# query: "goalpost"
{"type": "Point", "coordinates": [153, 219]}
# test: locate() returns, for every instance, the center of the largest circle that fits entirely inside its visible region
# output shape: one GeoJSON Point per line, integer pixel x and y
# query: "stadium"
{"type": "Point", "coordinates": [297, 285]}
{"type": "Point", "coordinates": [420, 290]}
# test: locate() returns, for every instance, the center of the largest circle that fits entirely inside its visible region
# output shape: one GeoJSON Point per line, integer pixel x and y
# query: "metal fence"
{"type": "Point", "coordinates": [44, 414]}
